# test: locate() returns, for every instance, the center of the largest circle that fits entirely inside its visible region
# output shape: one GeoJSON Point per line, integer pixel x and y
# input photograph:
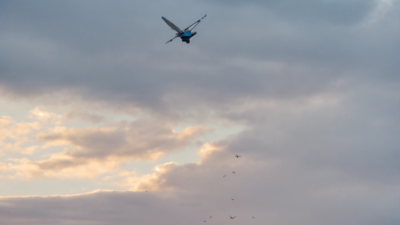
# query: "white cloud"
{"type": "Point", "coordinates": [15, 136]}
{"type": "Point", "coordinates": [44, 116]}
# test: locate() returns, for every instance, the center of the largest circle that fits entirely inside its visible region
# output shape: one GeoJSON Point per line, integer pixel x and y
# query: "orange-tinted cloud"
{"type": "Point", "coordinates": [139, 140]}
{"type": "Point", "coordinates": [15, 136]}
{"type": "Point", "coordinates": [90, 152]}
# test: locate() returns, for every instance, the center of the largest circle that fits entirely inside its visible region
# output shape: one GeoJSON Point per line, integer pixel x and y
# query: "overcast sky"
{"type": "Point", "coordinates": [103, 123]}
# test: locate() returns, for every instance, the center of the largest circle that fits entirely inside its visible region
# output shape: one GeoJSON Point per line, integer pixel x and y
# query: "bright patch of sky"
{"type": "Point", "coordinates": [12, 184]}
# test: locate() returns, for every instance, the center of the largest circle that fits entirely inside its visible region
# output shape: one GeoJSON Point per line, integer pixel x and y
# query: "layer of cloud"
{"type": "Point", "coordinates": [314, 83]}
{"type": "Point", "coordinates": [138, 70]}
{"type": "Point", "coordinates": [340, 12]}
{"type": "Point", "coordinates": [85, 152]}
{"type": "Point", "coordinates": [85, 116]}
{"type": "Point", "coordinates": [136, 139]}
{"type": "Point", "coordinates": [14, 136]}
{"type": "Point", "coordinates": [319, 160]}
{"type": "Point", "coordinates": [90, 152]}
{"type": "Point", "coordinates": [273, 191]}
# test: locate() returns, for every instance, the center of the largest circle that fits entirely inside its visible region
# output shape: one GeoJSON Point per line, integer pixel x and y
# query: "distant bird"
{"type": "Point", "coordinates": [232, 199]}
{"type": "Point", "coordinates": [232, 217]}
{"type": "Point", "coordinates": [233, 172]}
{"type": "Point", "coordinates": [204, 221]}
{"type": "Point", "coordinates": [253, 217]}
{"type": "Point", "coordinates": [210, 216]}
{"type": "Point", "coordinates": [237, 156]}
{"type": "Point", "coordinates": [224, 176]}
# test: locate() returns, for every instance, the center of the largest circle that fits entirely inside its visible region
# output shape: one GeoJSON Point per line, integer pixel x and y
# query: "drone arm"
{"type": "Point", "coordinates": [194, 24]}
{"type": "Point", "coordinates": [171, 40]}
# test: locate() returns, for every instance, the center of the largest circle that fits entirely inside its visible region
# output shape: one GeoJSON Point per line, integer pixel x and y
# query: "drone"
{"type": "Point", "coordinates": [186, 34]}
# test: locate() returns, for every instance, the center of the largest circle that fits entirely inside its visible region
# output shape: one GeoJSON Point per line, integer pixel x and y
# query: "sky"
{"type": "Point", "coordinates": [102, 123]}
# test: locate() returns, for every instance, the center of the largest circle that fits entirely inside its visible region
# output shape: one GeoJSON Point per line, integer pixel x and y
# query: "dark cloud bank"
{"type": "Point", "coordinates": [115, 52]}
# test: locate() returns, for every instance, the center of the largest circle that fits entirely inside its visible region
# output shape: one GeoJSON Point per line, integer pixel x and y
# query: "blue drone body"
{"type": "Point", "coordinates": [187, 36]}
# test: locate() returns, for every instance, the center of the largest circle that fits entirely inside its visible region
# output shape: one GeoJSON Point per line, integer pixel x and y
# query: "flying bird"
{"type": "Point", "coordinates": [232, 217]}
{"type": "Point", "coordinates": [185, 34]}
{"type": "Point", "coordinates": [224, 176]}
{"type": "Point", "coordinates": [237, 156]}
{"type": "Point", "coordinates": [233, 172]}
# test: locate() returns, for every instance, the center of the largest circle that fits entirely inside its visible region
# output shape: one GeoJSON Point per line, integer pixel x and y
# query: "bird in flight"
{"type": "Point", "coordinates": [237, 156]}
{"type": "Point", "coordinates": [253, 217]}
{"type": "Point", "coordinates": [232, 217]}
{"type": "Point", "coordinates": [224, 176]}
{"type": "Point", "coordinates": [232, 199]}
{"type": "Point", "coordinates": [210, 217]}
{"type": "Point", "coordinates": [233, 172]}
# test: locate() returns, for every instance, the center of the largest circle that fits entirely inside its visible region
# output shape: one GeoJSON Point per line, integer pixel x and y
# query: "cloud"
{"type": "Point", "coordinates": [313, 11]}
{"type": "Point", "coordinates": [61, 167]}
{"type": "Point", "coordinates": [325, 159]}
{"type": "Point", "coordinates": [273, 192]}
{"type": "Point", "coordinates": [125, 69]}
{"type": "Point", "coordinates": [14, 136]}
{"type": "Point", "coordinates": [140, 139]}
{"type": "Point", "coordinates": [95, 151]}
{"type": "Point", "coordinates": [85, 116]}
{"type": "Point", "coordinates": [45, 117]}
{"type": "Point", "coordinates": [315, 84]}
{"type": "Point", "coordinates": [86, 152]}
{"type": "Point", "coordinates": [3, 167]}
{"type": "Point", "coordinates": [5, 120]}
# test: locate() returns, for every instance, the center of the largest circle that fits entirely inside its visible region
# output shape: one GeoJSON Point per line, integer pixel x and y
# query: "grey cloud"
{"type": "Point", "coordinates": [337, 12]}
{"type": "Point", "coordinates": [90, 152]}
{"type": "Point", "coordinates": [328, 164]}
{"type": "Point", "coordinates": [84, 209]}
{"type": "Point", "coordinates": [138, 140]}
{"type": "Point", "coordinates": [109, 53]}
{"type": "Point", "coordinates": [275, 192]}
{"type": "Point", "coordinates": [357, 135]}
{"type": "Point", "coordinates": [303, 162]}
{"type": "Point", "coordinates": [85, 116]}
